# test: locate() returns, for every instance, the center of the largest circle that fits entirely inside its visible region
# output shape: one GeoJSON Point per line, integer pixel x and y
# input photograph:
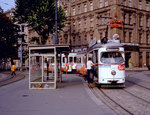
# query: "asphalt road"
{"type": "Point", "coordinates": [72, 97]}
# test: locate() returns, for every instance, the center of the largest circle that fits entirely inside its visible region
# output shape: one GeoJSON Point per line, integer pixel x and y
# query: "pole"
{"type": "Point", "coordinates": [21, 55]}
{"type": "Point", "coordinates": [106, 33]}
{"type": "Point", "coordinates": [56, 38]}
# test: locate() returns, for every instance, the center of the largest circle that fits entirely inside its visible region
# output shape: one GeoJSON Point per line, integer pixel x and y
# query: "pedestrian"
{"type": "Point", "coordinates": [13, 69]}
{"type": "Point", "coordinates": [90, 76]}
{"type": "Point", "coordinates": [130, 62]}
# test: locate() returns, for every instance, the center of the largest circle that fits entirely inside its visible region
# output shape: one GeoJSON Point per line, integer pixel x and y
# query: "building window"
{"type": "Point", "coordinates": [147, 6]}
{"type": "Point", "coordinates": [102, 20]}
{"type": "Point", "coordinates": [91, 6]}
{"type": "Point", "coordinates": [85, 39]}
{"type": "Point", "coordinates": [130, 18]}
{"type": "Point", "coordinates": [140, 4]}
{"type": "Point", "coordinates": [125, 18]}
{"type": "Point", "coordinates": [101, 35]}
{"type": "Point", "coordinates": [106, 18]}
{"type": "Point", "coordinates": [130, 37]}
{"type": "Point", "coordinates": [140, 59]}
{"type": "Point", "coordinates": [85, 7]}
{"type": "Point", "coordinates": [74, 40]}
{"type": "Point", "coordinates": [79, 40]}
{"type": "Point", "coordinates": [79, 23]}
{"type": "Point", "coordinates": [91, 21]}
{"type": "Point", "coordinates": [66, 13]}
{"type": "Point", "coordinates": [147, 38]}
{"type": "Point", "coordinates": [147, 58]}
{"type": "Point", "coordinates": [106, 2]}
{"type": "Point", "coordinates": [66, 40]}
{"type": "Point", "coordinates": [74, 25]}
{"type": "Point", "coordinates": [79, 9]}
{"type": "Point", "coordinates": [140, 37]}
{"type": "Point", "coordinates": [85, 23]}
{"type": "Point", "coordinates": [124, 2]}
{"type": "Point", "coordinates": [91, 36]}
{"type": "Point", "coordinates": [100, 3]}
{"type": "Point", "coordinates": [22, 28]}
{"type": "Point", "coordinates": [60, 3]}
{"type": "Point", "coordinates": [147, 21]}
{"type": "Point", "coordinates": [125, 36]}
{"type": "Point", "coordinates": [74, 12]}
{"type": "Point", "coordinates": [66, 1]}
{"type": "Point", "coordinates": [140, 20]}
{"type": "Point", "coordinates": [130, 3]}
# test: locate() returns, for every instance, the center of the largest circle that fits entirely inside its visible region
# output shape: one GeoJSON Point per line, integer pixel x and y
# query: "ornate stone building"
{"type": "Point", "coordinates": [88, 19]}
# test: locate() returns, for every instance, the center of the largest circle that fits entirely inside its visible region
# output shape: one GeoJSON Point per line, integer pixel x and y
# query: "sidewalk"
{"type": "Point", "coordinates": [137, 69]}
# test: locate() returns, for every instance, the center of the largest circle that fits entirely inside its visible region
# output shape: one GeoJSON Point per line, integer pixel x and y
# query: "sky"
{"type": "Point", "coordinates": [7, 4]}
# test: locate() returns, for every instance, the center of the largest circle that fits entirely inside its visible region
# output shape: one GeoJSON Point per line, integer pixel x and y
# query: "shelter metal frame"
{"type": "Point", "coordinates": [46, 51]}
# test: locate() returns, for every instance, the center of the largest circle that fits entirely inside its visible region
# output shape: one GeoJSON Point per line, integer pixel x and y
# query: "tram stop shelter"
{"type": "Point", "coordinates": [45, 65]}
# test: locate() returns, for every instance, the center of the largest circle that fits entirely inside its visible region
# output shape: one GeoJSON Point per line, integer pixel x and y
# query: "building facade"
{"type": "Point", "coordinates": [23, 41]}
{"type": "Point", "coordinates": [88, 19]}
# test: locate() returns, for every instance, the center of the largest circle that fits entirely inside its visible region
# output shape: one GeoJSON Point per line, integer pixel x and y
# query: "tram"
{"type": "Point", "coordinates": [69, 63]}
{"type": "Point", "coordinates": [110, 58]}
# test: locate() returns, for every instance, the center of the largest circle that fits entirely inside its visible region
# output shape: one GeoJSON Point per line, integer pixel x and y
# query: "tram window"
{"type": "Point", "coordinates": [63, 59]}
{"type": "Point", "coordinates": [111, 57]}
{"type": "Point", "coordinates": [70, 59]}
{"type": "Point", "coordinates": [78, 59]}
{"type": "Point", "coordinates": [75, 59]}
{"type": "Point", "coordinates": [95, 56]}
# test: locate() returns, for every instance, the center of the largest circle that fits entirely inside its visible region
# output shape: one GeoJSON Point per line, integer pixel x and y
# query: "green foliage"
{"type": "Point", "coordinates": [40, 15]}
{"type": "Point", "coordinates": [8, 37]}
{"type": "Point", "coordinates": [1, 10]}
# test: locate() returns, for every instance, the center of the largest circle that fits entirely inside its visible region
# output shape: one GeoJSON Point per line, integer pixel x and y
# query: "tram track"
{"type": "Point", "coordinates": [12, 79]}
{"type": "Point", "coordinates": [137, 96]}
{"type": "Point", "coordinates": [117, 108]}
{"type": "Point", "coordinates": [122, 101]}
{"type": "Point", "coordinates": [137, 84]}
{"type": "Point", "coordinates": [141, 85]}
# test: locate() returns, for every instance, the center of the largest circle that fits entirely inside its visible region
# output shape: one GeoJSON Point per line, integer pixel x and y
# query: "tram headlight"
{"type": "Point", "coordinates": [113, 72]}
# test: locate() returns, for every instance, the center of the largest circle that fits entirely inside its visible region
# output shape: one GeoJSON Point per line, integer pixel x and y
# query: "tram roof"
{"type": "Point", "coordinates": [110, 43]}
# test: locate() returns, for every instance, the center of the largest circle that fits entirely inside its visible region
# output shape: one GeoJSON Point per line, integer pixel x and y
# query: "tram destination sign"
{"type": "Point", "coordinates": [112, 49]}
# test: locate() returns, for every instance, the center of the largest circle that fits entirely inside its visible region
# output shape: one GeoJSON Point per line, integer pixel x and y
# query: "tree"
{"type": "Point", "coordinates": [8, 37]}
{"type": "Point", "coordinates": [40, 15]}
{"type": "Point", "coordinates": [1, 10]}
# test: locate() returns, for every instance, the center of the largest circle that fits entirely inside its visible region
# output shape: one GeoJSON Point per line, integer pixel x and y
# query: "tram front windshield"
{"type": "Point", "coordinates": [112, 58]}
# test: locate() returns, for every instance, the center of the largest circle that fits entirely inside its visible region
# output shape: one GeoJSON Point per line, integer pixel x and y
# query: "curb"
{"type": "Point", "coordinates": [12, 79]}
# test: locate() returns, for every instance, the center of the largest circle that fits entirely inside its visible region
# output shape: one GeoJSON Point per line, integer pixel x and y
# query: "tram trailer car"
{"type": "Point", "coordinates": [69, 64]}
{"type": "Point", "coordinates": [111, 63]}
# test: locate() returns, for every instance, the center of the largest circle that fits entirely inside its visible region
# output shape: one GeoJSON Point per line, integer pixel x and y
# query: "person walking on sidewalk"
{"type": "Point", "coordinates": [13, 69]}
